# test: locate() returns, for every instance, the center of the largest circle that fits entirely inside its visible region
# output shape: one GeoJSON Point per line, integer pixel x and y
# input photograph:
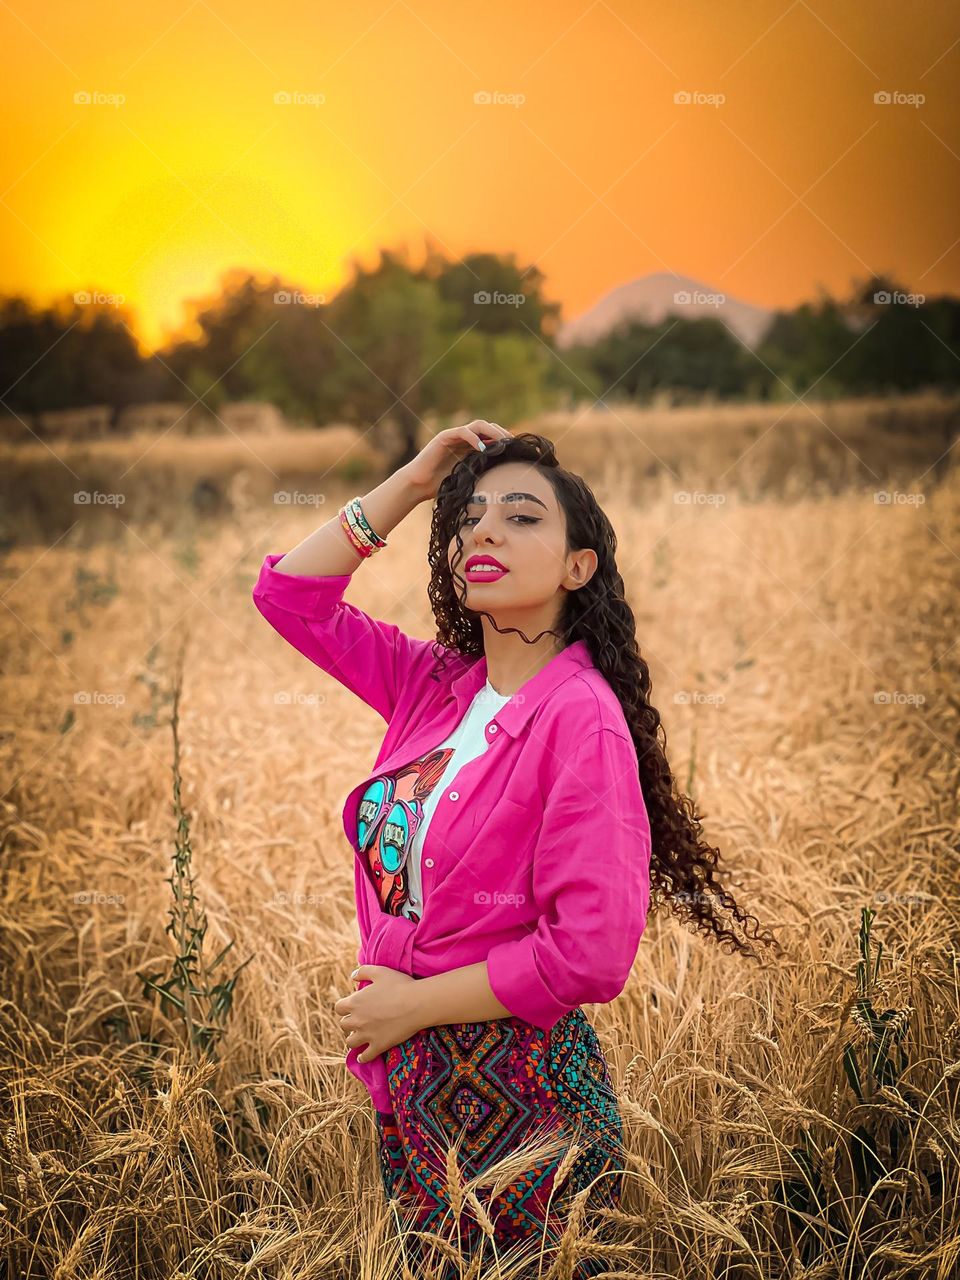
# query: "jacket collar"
{"type": "Point", "coordinates": [514, 714]}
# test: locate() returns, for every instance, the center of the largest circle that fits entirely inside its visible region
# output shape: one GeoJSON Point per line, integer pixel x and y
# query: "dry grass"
{"type": "Point", "coordinates": [772, 629]}
{"type": "Point", "coordinates": [786, 451]}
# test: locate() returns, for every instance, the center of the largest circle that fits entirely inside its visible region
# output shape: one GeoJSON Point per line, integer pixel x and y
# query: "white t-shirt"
{"type": "Point", "coordinates": [405, 800]}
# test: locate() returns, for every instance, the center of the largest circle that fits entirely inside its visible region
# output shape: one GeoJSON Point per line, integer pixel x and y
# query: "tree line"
{"type": "Point", "coordinates": [449, 337]}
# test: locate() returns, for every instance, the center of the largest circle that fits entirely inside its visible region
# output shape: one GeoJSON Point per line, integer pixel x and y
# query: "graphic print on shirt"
{"type": "Point", "coordinates": [388, 816]}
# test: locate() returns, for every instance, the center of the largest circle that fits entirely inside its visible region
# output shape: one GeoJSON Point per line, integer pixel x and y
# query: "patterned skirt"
{"type": "Point", "coordinates": [483, 1088]}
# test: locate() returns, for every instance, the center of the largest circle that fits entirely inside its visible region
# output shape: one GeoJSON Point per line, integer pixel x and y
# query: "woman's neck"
{"type": "Point", "coordinates": [511, 662]}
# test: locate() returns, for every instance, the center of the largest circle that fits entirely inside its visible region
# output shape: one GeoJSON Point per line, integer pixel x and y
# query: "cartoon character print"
{"type": "Point", "coordinates": [388, 817]}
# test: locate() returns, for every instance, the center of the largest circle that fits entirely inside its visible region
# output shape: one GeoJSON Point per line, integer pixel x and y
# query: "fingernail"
{"type": "Point", "coordinates": [481, 445]}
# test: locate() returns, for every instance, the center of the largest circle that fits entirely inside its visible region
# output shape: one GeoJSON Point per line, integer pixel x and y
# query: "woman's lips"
{"type": "Point", "coordinates": [476, 574]}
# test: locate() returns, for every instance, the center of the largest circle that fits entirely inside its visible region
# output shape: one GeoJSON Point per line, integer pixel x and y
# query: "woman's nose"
{"type": "Point", "coordinates": [484, 533]}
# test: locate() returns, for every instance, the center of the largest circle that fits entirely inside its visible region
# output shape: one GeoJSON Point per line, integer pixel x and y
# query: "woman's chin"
{"type": "Point", "coordinates": [485, 595]}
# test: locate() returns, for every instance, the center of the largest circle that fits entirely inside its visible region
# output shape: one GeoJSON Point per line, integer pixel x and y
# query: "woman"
{"type": "Point", "coordinates": [520, 806]}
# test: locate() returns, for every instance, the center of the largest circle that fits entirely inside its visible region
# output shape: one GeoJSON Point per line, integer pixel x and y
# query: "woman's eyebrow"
{"type": "Point", "coordinates": [478, 499]}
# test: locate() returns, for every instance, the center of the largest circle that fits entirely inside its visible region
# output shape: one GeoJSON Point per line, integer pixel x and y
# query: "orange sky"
{"type": "Point", "coordinates": [797, 179]}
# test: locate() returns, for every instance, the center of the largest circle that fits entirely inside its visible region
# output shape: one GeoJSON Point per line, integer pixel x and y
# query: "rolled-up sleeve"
{"type": "Point", "coordinates": [373, 659]}
{"type": "Point", "coordinates": [591, 884]}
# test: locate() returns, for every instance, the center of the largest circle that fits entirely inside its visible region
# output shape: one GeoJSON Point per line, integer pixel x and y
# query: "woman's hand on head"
{"type": "Point", "coordinates": [383, 1012]}
{"type": "Point", "coordinates": [441, 454]}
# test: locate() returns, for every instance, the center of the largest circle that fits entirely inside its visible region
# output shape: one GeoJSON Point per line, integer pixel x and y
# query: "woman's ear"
{"type": "Point", "coordinates": [582, 567]}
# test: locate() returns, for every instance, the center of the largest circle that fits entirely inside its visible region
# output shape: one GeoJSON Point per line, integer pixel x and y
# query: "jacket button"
{"type": "Point", "coordinates": [428, 862]}
{"type": "Point", "coordinates": [491, 728]}
{"type": "Point", "coordinates": [454, 795]}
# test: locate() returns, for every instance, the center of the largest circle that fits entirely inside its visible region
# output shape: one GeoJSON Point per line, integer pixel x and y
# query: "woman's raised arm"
{"type": "Point", "coordinates": [301, 593]}
{"type": "Point", "coordinates": [327, 551]}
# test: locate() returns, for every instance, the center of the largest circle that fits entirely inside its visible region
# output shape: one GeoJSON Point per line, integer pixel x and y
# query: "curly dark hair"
{"type": "Point", "coordinates": [683, 866]}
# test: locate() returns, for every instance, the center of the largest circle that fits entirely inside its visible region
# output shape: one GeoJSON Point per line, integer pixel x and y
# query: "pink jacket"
{"type": "Point", "coordinates": [538, 859]}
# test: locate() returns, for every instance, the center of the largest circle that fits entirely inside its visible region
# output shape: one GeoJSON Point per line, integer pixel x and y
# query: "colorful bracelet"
{"type": "Point", "coordinates": [354, 524]}
{"type": "Point", "coordinates": [356, 510]}
{"type": "Point", "coordinates": [359, 547]}
{"type": "Point", "coordinates": [359, 533]}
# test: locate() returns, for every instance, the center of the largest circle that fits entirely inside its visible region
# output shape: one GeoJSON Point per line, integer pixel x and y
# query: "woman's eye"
{"type": "Point", "coordinates": [522, 519]}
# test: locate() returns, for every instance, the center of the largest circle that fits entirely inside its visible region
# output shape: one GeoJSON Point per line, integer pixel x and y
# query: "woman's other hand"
{"type": "Point", "coordinates": [383, 1012]}
{"type": "Point", "coordinates": [441, 454]}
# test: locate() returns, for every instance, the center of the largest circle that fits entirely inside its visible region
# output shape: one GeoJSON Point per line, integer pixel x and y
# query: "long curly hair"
{"type": "Point", "coordinates": [683, 868]}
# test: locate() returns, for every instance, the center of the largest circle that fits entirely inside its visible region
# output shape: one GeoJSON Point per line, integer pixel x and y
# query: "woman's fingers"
{"type": "Point", "coordinates": [490, 430]}
{"type": "Point", "coordinates": [481, 431]}
{"type": "Point", "coordinates": [357, 1040]}
{"type": "Point", "coordinates": [474, 438]}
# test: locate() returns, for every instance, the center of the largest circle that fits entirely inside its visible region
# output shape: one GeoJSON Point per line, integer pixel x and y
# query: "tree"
{"type": "Point", "coordinates": [259, 339]}
{"type": "Point", "coordinates": [500, 377]}
{"type": "Point", "coordinates": [808, 346]}
{"type": "Point", "coordinates": [493, 295]}
{"type": "Point", "coordinates": [392, 328]}
{"type": "Point", "coordinates": [635, 360]}
{"type": "Point", "coordinates": [73, 354]}
{"type": "Point", "coordinates": [899, 348]}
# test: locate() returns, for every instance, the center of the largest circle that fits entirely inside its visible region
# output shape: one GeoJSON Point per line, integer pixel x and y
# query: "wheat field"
{"type": "Point", "coordinates": [795, 1118]}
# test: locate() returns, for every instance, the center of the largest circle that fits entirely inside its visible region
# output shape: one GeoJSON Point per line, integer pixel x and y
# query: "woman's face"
{"type": "Point", "coordinates": [513, 520]}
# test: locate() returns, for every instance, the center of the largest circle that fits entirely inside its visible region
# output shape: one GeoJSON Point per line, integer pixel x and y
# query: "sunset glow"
{"type": "Point", "coordinates": [780, 174]}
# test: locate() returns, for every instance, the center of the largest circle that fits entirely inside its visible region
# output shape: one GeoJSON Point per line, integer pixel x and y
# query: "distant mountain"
{"type": "Point", "coordinates": [653, 297]}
